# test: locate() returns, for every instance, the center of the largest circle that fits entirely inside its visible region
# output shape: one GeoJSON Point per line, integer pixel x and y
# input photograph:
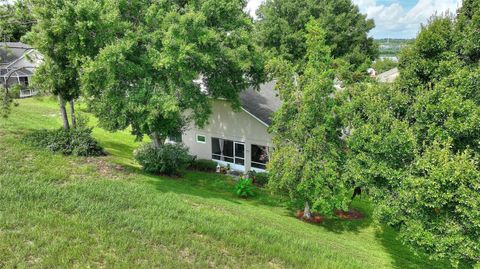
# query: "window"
{"type": "Point", "coordinates": [222, 150]}
{"type": "Point", "coordinates": [228, 151]}
{"type": "Point", "coordinates": [201, 139]}
{"type": "Point", "coordinates": [23, 81]}
{"type": "Point", "coordinates": [259, 156]}
{"type": "Point", "coordinates": [177, 138]}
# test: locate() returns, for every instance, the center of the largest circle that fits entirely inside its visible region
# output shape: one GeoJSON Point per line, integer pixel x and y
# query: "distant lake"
{"type": "Point", "coordinates": [394, 58]}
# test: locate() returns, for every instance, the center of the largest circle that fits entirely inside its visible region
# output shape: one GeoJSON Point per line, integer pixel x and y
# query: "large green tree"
{"type": "Point", "coordinates": [415, 145]}
{"type": "Point", "coordinates": [66, 33]}
{"type": "Point", "coordinates": [170, 60]}
{"type": "Point", "coordinates": [309, 151]}
{"type": "Point", "coordinates": [281, 29]}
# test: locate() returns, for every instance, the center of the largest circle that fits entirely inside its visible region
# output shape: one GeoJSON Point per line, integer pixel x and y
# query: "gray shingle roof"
{"type": "Point", "coordinates": [261, 103]}
{"type": "Point", "coordinates": [388, 76]}
{"type": "Point", "coordinates": [11, 51]}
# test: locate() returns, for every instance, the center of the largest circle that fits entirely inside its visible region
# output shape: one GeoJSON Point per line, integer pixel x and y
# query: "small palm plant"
{"type": "Point", "coordinates": [244, 188]}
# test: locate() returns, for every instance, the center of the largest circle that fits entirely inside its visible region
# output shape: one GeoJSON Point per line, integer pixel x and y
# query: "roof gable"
{"type": "Point", "coordinates": [262, 103]}
{"type": "Point", "coordinates": [12, 51]}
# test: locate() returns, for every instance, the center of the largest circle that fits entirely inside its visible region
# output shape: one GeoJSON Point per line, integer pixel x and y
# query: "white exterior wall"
{"type": "Point", "coordinates": [227, 124]}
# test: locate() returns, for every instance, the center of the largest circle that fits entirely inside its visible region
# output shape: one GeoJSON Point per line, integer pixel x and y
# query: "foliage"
{"type": "Point", "coordinates": [170, 57]}
{"type": "Point", "coordinates": [383, 65]}
{"type": "Point", "coordinates": [66, 33]}
{"type": "Point", "coordinates": [439, 204]}
{"type": "Point", "coordinates": [15, 19]}
{"type": "Point", "coordinates": [77, 142]}
{"type": "Point", "coordinates": [244, 188]}
{"type": "Point", "coordinates": [14, 91]}
{"type": "Point", "coordinates": [281, 29]}
{"type": "Point", "coordinates": [169, 159]}
{"type": "Point", "coordinates": [415, 145]}
{"type": "Point", "coordinates": [204, 165]}
{"type": "Point", "coordinates": [467, 33]}
{"type": "Point", "coordinates": [308, 167]}
{"type": "Point", "coordinates": [261, 179]}
{"type": "Point", "coordinates": [6, 100]}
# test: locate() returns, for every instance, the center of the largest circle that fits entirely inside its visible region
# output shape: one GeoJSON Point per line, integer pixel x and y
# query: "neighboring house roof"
{"type": "Point", "coordinates": [19, 58]}
{"type": "Point", "coordinates": [12, 51]}
{"type": "Point", "coordinates": [261, 103]}
{"type": "Point", "coordinates": [389, 76]}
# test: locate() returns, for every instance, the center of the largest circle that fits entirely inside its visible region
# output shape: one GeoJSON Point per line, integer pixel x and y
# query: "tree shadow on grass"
{"type": "Point", "coordinates": [403, 257]}
{"type": "Point", "coordinates": [207, 185]}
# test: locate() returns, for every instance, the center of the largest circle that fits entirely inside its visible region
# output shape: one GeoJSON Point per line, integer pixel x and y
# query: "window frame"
{"type": "Point", "coordinates": [259, 165]}
{"type": "Point", "coordinates": [199, 141]}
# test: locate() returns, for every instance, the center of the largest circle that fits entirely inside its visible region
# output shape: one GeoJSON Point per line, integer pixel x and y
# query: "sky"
{"type": "Point", "coordinates": [394, 18]}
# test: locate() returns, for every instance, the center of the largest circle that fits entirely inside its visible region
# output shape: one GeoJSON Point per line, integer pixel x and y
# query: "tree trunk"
{"type": "Point", "coordinates": [63, 112]}
{"type": "Point", "coordinates": [156, 141]}
{"type": "Point", "coordinates": [306, 212]}
{"type": "Point", "coordinates": [72, 114]}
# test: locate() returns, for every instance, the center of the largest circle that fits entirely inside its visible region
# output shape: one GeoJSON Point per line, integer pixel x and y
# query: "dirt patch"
{"type": "Point", "coordinates": [352, 214]}
{"type": "Point", "coordinates": [105, 168]}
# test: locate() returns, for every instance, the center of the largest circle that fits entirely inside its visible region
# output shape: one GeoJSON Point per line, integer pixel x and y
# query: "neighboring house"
{"type": "Point", "coordinates": [388, 76]}
{"type": "Point", "coordinates": [239, 139]}
{"type": "Point", "coordinates": [17, 64]}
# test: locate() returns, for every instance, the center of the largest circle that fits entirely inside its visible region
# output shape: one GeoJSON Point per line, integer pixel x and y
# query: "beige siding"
{"type": "Point", "coordinates": [227, 124]}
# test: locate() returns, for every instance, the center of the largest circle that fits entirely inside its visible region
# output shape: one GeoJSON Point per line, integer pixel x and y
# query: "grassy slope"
{"type": "Point", "coordinates": [58, 211]}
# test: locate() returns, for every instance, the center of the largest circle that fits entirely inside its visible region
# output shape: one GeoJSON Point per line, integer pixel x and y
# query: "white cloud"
{"type": "Point", "coordinates": [393, 20]}
{"type": "Point", "coordinates": [252, 6]}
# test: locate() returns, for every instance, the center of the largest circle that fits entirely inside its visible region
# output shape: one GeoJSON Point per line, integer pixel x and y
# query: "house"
{"type": "Point", "coordinates": [17, 64]}
{"type": "Point", "coordinates": [238, 139]}
{"type": "Point", "coordinates": [388, 76]}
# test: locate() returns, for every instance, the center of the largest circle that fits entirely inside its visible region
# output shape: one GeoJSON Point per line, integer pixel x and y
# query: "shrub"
{"type": "Point", "coordinates": [77, 142]}
{"type": "Point", "coordinates": [169, 159]}
{"type": "Point", "coordinates": [244, 188]}
{"type": "Point", "coordinates": [204, 165]}
{"type": "Point", "coordinates": [261, 179]}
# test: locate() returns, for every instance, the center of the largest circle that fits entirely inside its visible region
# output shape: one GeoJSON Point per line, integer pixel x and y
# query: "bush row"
{"type": "Point", "coordinates": [77, 142]}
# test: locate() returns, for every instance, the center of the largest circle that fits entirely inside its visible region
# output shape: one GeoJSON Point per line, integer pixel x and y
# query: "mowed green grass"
{"type": "Point", "coordinates": [63, 212]}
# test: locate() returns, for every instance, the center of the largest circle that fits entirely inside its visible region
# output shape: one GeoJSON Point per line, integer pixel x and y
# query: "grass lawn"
{"type": "Point", "coordinates": [59, 212]}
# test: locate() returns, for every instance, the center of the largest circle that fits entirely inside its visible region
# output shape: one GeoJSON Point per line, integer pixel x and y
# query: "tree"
{"type": "Point", "coordinates": [309, 152]}
{"type": "Point", "coordinates": [171, 59]}
{"type": "Point", "coordinates": [415, 145]}
{"type": "Point", "coordinates": [467, 33]}
{"type": "Point", "coordinates": [15, 19]}
{"type": "Point", "coordinates": [66, 33]}
{"type": "Point", "coordinates": [281, 29]}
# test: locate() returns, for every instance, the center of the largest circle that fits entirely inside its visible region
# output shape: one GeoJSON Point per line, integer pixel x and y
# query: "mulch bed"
{"type": "Point", "coordinates": [316, 218]}
{"type": "Point", "coordinates": [352, 214]}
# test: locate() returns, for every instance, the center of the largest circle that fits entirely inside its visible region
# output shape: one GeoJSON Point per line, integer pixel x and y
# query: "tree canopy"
{"type": "Point", "coordinates": [168, 61]}
{"type": "Point", "coordinates": [66, 33]}
{"type": "Point", "coordinates": [15, 19]}
{"type": "Point", "coordinates": [415, 145]}
{"type": "Point", "coordinates": [309, 151]}
{"type": "Point", "coordinates": [281, 29]}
